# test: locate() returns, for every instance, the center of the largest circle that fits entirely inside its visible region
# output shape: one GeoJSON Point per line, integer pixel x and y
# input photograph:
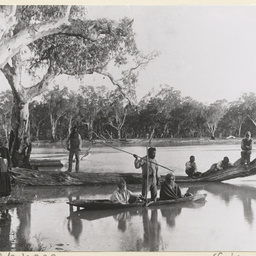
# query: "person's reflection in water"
{"type": "Point", "coordinates": [152, 229]}
{"type": "Point", "coordinates": [248, 212]}
{"type": "Point", "coordinates": [243, 193]}
{"type": "Point", "coordinates": [122, 219]}
{"type": "Point", "coordinates": [170, 214]}
{"type": "Point", "coordinates": [74, 225]}
{"type": "Point", "coordinates": [5, 228]}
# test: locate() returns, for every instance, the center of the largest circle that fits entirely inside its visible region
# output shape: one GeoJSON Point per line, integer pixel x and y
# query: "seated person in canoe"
{"type": "Point", "coordinates": [170, 190]}
{"type": "Point", "coordinates": [122, 195]}
{"type": "Point", "coordinates": [221, 165]}
{"type": "Point", "coordinates": [191, 168]}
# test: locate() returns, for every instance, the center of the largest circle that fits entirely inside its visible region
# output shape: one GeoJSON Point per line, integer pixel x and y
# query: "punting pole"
{"type": "Point", "coordinates": [102, 137]}
{"type": "Point", "coordinates": [138, 156]}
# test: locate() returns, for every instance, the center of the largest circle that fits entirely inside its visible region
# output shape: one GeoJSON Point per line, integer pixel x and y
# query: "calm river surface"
{"type": "Point", "coordinates": [226, 221]}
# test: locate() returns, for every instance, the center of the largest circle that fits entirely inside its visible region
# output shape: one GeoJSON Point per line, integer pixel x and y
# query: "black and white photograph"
{"type": "Point", "coordinates": [128, 128]}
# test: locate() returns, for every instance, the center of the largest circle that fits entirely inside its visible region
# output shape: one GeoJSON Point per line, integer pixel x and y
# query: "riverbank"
{"type": "Point", "coordinates": [154, 142]}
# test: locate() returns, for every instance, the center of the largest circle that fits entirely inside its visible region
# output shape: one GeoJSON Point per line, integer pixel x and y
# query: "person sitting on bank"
{"type": "Point", "coordinates": [246, 146]}
{"type": "Point", "coordinates": [221, 165]}
{"type": "Point", "coordinates": [191, 168]}
{"type": "Point", "coordinates": [122, 195]}
{"type": "Point", "coordinates": [170, 190]}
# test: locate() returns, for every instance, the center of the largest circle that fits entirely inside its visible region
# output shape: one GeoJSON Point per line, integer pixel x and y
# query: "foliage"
{"type": "Point", "coordinates": [99, 111]}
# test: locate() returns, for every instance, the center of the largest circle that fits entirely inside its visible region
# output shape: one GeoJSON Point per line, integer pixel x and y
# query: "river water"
{"type": "Point", "coordinates": [225, 221]}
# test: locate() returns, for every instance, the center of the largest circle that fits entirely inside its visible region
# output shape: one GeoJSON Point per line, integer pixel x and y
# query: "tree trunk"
{"type": "Point", "coordinates": [54, 127]}
{"type": "Point", "coordinates": [90, 129]}
{"type": "Point", "coordinates": [20, 112]}
{"type": "Point", "coordinates": [119, 134]}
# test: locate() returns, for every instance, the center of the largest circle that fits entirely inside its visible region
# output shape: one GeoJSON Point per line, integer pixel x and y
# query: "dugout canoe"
{"type": "Point", "coordinates": [57, 178]}
{"type": "Point", "coordinates": [166, 210]}
{"type": "Point", "coordinates": [105, 204]}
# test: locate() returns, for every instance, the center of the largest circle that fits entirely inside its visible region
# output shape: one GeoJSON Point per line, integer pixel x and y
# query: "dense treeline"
{"type": "Point", "coordinates": [163, 114]}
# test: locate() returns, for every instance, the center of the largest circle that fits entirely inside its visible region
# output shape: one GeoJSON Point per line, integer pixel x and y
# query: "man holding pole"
{"type": "Point", "coordinates": [150, 175]}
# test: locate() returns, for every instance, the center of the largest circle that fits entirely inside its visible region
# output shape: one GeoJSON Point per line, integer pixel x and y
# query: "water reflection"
{"type": "Point", "coordinates": [18, 241]}
{"type": "Point", "coordinates": [122, 219]}
{"type": "Point", "coordinates": [170, 214]}
{"type": "Point", "coordinates": [23, 231]}
{"type": "Point", "coordinates": [5, 228]}
{"type": "Point", "coordinates": [142, 229]}
{"type": "Point", "coordinates": [152, 230]}
{"type": "Point", "coordinates": [149, 218]}
{"type": "Point", "coordinates": [244, 193]}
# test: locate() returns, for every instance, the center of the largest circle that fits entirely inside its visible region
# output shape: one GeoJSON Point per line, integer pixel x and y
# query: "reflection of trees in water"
{"type": "Point", "coordinates": [5, 228]}
{"type": "Point", "coordinates": [244, 193]}
{"type": "Point", "coordinates": [23, 230]}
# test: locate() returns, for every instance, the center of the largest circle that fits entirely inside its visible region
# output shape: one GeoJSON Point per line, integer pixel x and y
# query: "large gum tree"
{"type": "Point", "coordinates": [47, 41]}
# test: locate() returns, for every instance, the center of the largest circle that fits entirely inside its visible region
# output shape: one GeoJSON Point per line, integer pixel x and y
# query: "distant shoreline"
{"type": "Point", "coordinates": [154, 142]}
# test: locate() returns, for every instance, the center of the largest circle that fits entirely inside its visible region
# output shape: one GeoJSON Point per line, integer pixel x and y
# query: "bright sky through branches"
{"type": "Point", "coordinates": [207, 52]}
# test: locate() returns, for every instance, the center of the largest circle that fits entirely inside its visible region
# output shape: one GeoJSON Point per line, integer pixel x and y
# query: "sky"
{"type": "Point", "coordinates": [207, 52]}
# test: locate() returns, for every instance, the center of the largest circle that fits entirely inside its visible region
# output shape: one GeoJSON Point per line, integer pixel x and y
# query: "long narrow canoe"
{"type": "Point", "coordinates": [105, 204]}
{"type": "Point", "coordinates": [97, 214]}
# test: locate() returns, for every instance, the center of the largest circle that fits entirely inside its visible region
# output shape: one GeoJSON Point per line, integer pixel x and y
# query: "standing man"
{"type": "Point", "coordinates": [74, 144]}
{"type": "Point", "coordinates": [246, 146]}
{"type": "Point", "coordinates": [150, 176]}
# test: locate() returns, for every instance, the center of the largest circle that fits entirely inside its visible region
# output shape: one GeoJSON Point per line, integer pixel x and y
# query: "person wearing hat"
{"type": "Point", "coordinates": [74, 144]}
{"type": "Point", "coordinates": [169, 189]}
{"type": "Point", "coordinates": [122, 195]}
{"type": "Point", "coordinates": [246, 146]}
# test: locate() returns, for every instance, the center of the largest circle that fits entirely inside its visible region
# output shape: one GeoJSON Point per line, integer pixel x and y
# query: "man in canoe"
{"type": "Point", "coordinates": [170, 190]}
{"type": "Point", "coordinates": [221, 165]}
{"type": "Point", "coordinates": [150, 175]}
{"type": "Point", "coordinates": [122, 195]}
{"type": "Point", "coordinates": [74, 144]}
{"type": "Point", "coordinates": [191, 168]}
{"type": "Point", "coordinates": [246, 146]}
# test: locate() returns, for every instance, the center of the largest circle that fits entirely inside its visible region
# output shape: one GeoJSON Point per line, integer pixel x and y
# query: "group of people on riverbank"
{"type": "Point", "coordinates": [169, 189]}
